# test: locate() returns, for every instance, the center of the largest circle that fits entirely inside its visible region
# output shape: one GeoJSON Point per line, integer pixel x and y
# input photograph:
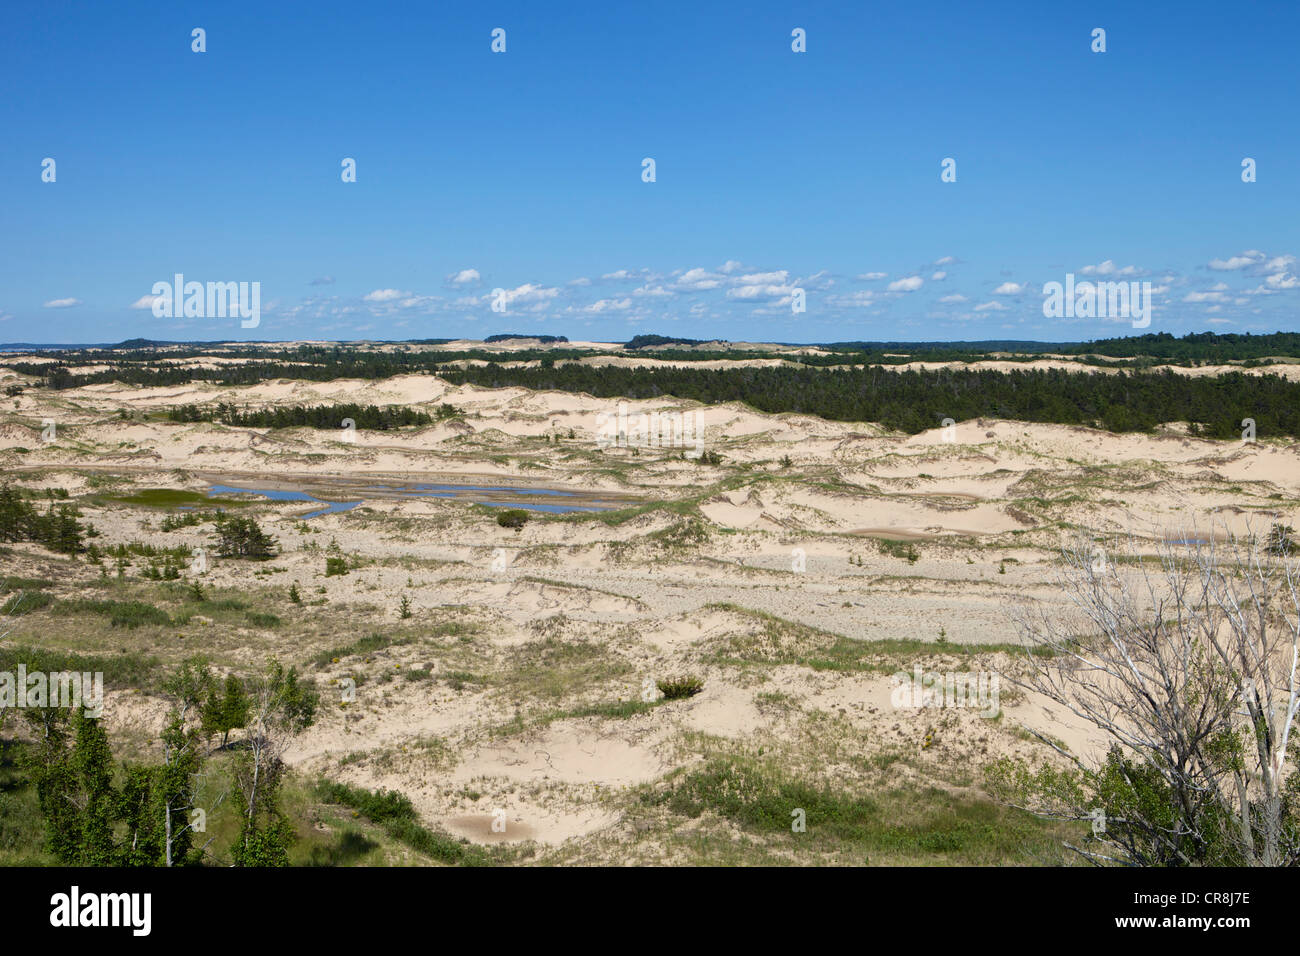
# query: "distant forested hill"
{"type": "Point", "coordinates": [914, 400]}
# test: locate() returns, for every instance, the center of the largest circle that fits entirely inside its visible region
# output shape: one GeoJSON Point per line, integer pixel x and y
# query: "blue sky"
{"type": "Point", "coordinates": [522, 170]}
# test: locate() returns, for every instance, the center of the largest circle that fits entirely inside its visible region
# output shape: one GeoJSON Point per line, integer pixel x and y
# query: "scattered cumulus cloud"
{"type": "Point", "coordinates": [386, 295]}
{"type": "Point", "coordinates": [1108, 268]}
{"type": "Point", "coordinates": [610, 305]}
{"type": "Point", "coordinates": [464, 278]}
{"type": "Point", "coordinates": [699, 280]}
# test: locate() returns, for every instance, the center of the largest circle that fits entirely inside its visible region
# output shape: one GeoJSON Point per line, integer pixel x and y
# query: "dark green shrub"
{"type": "Point", "coordinates": [676, 688]}
{"type": "Point", "coordinates": [514, 518]}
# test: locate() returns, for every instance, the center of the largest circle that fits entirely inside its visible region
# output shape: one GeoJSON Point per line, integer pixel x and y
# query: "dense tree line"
{"type": "Point", "coordinates": [308, 416]}
{"type": "Point", "coordinates": [141, 366]}
{"type": "Point", "coordinates": [1206, 348]}
{"type": "Point", "coordinates": [913, 400]}
{"type": "Point", "coordinates": [516, 336]}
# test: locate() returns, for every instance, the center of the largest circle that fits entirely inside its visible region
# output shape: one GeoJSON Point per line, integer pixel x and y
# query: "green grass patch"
{"type": "Point", "coordinates": [779, 641]}
{"type": "Point", "coordinates": [365, 645]}
{"type": "Point", "coordinates": [926, 825]}
{"type": "Point", "coordinates": [395, 813]}
{"type": "Point", "coordinates": [22, 828]}
{"type": "Point", "coordinates": [119, 670]}
{"type": "Point", "coordinates": [173, 498]}
{"type": "Point", "coordinates": [128, 614]}
{"type": "Point", "coordinates": [21, 602]}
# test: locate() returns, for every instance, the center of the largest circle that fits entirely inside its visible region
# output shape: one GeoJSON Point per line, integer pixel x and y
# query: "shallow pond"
{"type": "Point", "coordinates": [494, 496]}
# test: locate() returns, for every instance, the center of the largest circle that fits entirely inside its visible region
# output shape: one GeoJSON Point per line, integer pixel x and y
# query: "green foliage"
{"type": "Point", "coordinates": [914, 400]}
{"type": "Point", "coordinates": [297, 416]}
{"type": "Point", "coordinates": [514, 518]}
{"type": "Point", "coordinates": [683, 534]}
{"type": "Point", "coordinates": [187, 519]}
{"type": "Point", "coordinates": [119, 670]}
{"type": "Point", "coordinates": [56, 529]}
{"type": "Point", "coordinates": [243, 538]}
{"type": "Point", "coordinates": [225, 709]}
{"type": "Point", "coordinates": [1281, 539]}
{"type": "Point", "coordinates": [1145, 821]}
{"type": "Point", "coordinates": [364, 645]}
{"type": "Point", "coordinates": [282, 704]}
{"type": "Point", "coordinates": [676, 688]}
{"type": "Point", "coordinates": [756, 799]}
{"type": "Point", "coordinates": [898, 549]}
{"type": "Point", "coordinates": [397, 815]}
{"type": "Point", "coordinates": [21, 602]}
{"type": "Point", "coordinates": [265, 839]}
{"type": "Point", "coordinates": [335, 566]}
{"type": "Point", "coordinates": [128, 614]}
{"type": "Point", "coordinates": [404, 609]}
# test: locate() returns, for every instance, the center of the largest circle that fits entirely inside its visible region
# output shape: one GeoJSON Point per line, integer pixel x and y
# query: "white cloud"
{"type": "Point", "coordinates": [1283, 280]}
{"type": "Point", "coordinates": [993, 306]}
{"type": "Point", "coordinates": [730, 266]}
{"type": "Point", "coordinates": [910, 284]}
{"type": "Point", "coordinates": [62, 303]}
{"type": "Point", "coordinates": [527, 294]}
{"type": "Point", "coordinates": [464, 277]}
{"type": "Point", "coordinates": [1203, 297]}
{"type": "Point", "coordinates": [580, 281]}
{"type": "Point", "coordinates": [1009, 288]}
{"type": "Point", "coordinates": [610, 305]}
{"type": "Point", "coordinates": [698, 280]}
{"type": "Point", "coordinates": [1108, 268]}
{"type": "Point", "coordinates": [955, 297]}
{"type": "Point", "coordinates": [939, 276]}
{"type": "Point", "coordinates": [657, 292]}
{"type": "Point", "coordinates": [1233, 263]}
{"type": "Point", "coordinates": [945, 261]}
{"type": "Point", "coordinates": [145, 302]}
{"type": "Point", "coordinates": [761, 290]}
{"type": "Point", "coordinates": [818, 280]}
{"type": "Point", "coordinates": [872, 276]}
{"type": "Point", "coordinates": [385, 295]}
{"type": "Point", "coordinates": [764, 278]}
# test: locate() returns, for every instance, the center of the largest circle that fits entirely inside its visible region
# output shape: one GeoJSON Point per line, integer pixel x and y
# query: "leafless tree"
{"type": "Point", "coordinates": [282, 706]}
{"type": "Point", "coordinates": [1186, 662]}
